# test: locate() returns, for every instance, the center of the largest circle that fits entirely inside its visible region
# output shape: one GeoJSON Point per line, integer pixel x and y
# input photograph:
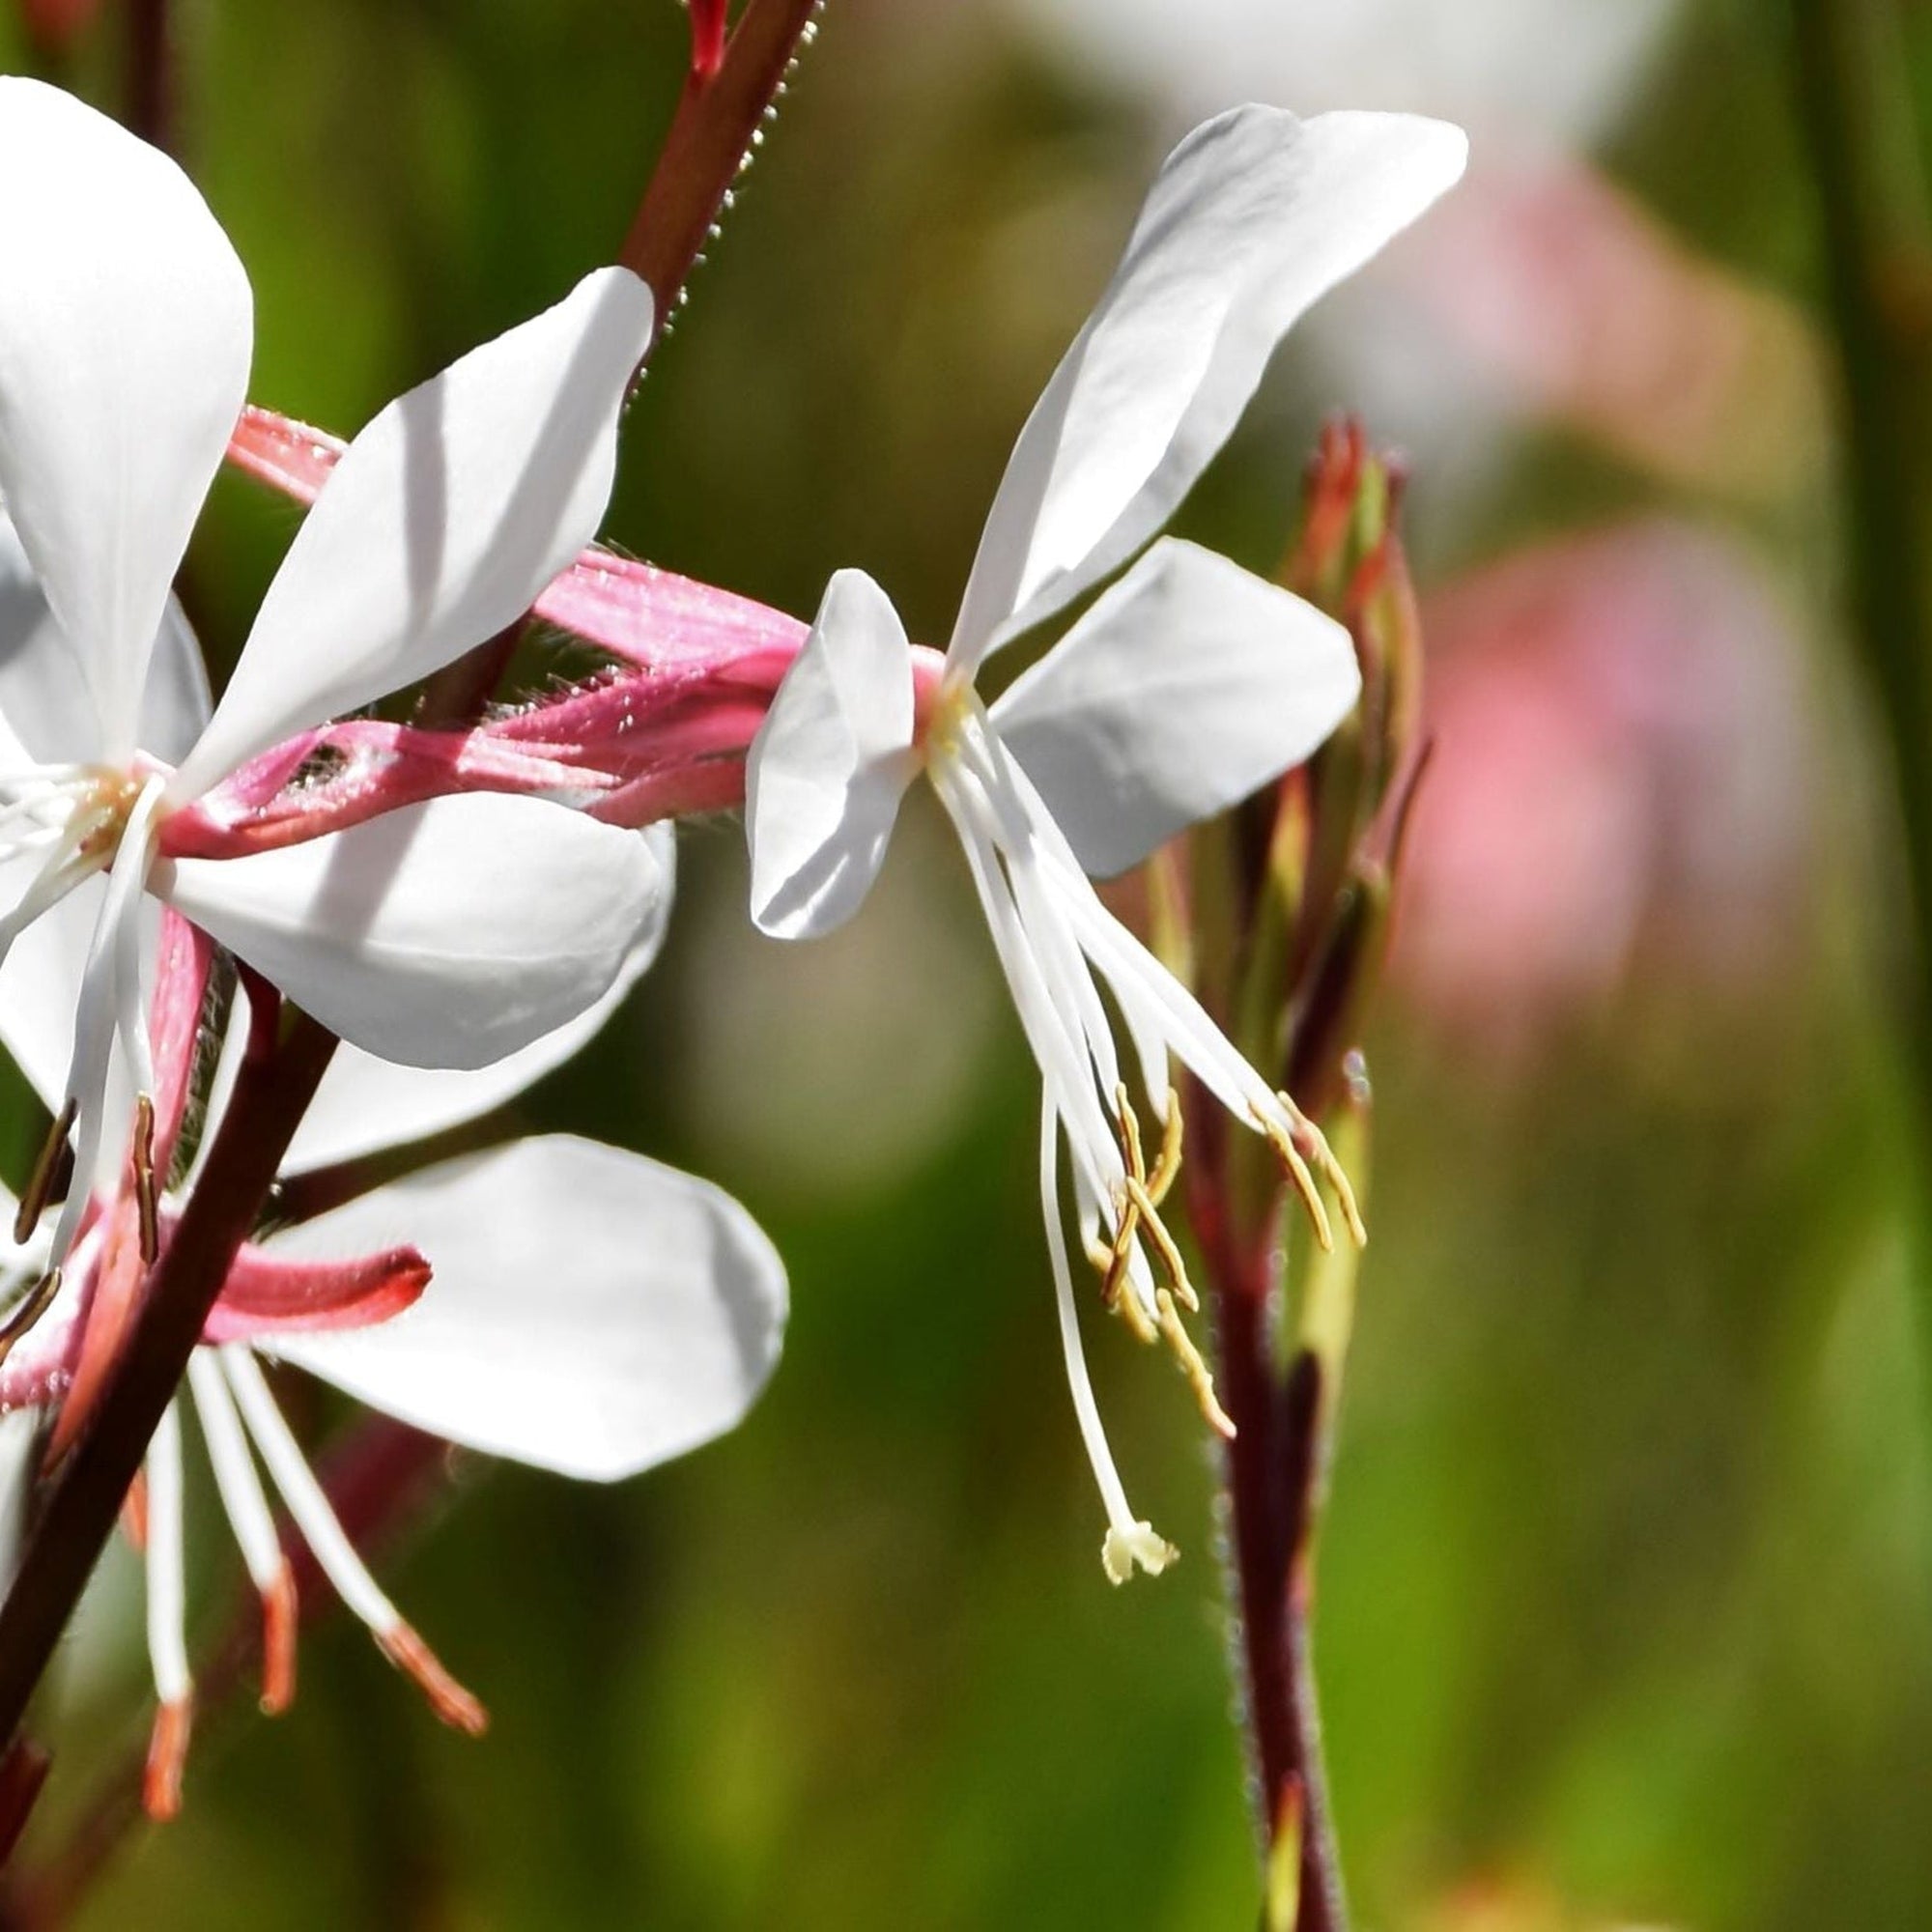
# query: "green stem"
{"type": "Point", "coordinates": [1856, 114]}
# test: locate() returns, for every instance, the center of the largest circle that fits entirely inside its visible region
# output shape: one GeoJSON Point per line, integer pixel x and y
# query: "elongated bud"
{"type": "Point", "coordinates": [707, 37]}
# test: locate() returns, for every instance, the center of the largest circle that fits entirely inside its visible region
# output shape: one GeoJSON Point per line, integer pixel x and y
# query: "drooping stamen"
{"type": "Point", "coordinates": [1316, 1149]}
{"type": "Point", "coordinates": [168, 1612]}
{"type": "Point", "coordinates": [143, 1158]}
{"type": "Point", "coordinates": [1193, 1367]}
{"type": "Point", "coordinates": [134, 1514]}
{"type": "Point", "coordinates": [281, 1620]}
{"type": "Point", "coordinates": [167, 1760]}
{"type": "Point", "coordinates": [249, 1517]}
{"type": "Point", "coordinates": [1128, 1540]}
{"type": "Point", "coordinates": [46, 1171]}
{"type": "Point", "coordinates": [1282, 1139]}
{"type": "Point", "coordinates": [1168, 1167]}
{"type": "Point", "coordinates": [458, 1707]}
{"type": "Point", "coordinates": [1164, 1244]}
{"type": "Point", "coordinates": [333, 1552]}
{"type": "Point", "coordinates": [37, 1301]}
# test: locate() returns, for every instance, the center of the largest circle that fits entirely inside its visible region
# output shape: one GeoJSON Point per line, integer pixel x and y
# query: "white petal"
{"type": "Point", "coordinates": [446, 934]}
{"type": "Point", "coordinates": [830, 764]}
{"type": "Point", "coordinates": [40, 990]}
{"type": "Point", "coordinates": [1254, 217]}
{"type": "Point", "coordinates": [21, 1451]}
{"type": "Point", "coordinates": [442, 522]}
{"type": "Point", "coordinates": [125, 341]}
{"type": "Point", "coordinates": [47, 712]}
{"type": "Point", "coordinates": [590, 1311]}
{"type": "Point", "coordinates": [175, 708]}
{"type": "Point", "coordinates": [365, 1105]}
{"type": "Point", "coordinates": [1190, 684]}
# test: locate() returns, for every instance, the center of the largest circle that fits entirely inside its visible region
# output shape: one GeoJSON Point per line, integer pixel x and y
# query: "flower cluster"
{"type": "Point", "coordinates": [464, 906]}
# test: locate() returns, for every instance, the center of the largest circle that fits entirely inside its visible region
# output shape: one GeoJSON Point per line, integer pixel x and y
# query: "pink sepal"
{"type": "Point", "coordinates": [371, 767]}
{"type": "Point", "coordinates": [266, 1294]}
{"type": "Point", "coordinates": [649, 617]}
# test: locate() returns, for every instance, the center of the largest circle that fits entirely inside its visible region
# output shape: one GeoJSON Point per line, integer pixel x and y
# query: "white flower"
{"type": "Point", "coordinates": [1557, 71]}
{"type": "Point", "coordinates": [447, 933]}
{"type": "Point", "coordinates": [567, 1305]}
{"type": "Point", "coordinates": [1188, 684]}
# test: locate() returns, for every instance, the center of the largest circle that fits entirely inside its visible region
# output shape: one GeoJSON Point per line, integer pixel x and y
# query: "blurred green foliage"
{"type": "Point", "coordinates": [1626, 1608]}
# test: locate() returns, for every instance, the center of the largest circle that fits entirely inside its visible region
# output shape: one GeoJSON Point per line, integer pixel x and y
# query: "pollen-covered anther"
{"type": "Point", "coordinates": [281, 1612]}
{"type": "Point", "coordinates": [34, 1303]}
{"type": "Point", "coordinates": [45, 1174]}
{"type": "Point", "coordinates": [1111, 1263]}
{"type": "Point", "coordinates": [1317, 1149]}
{"type": "Point", "coordinates": [1164, 1244]}
{"type": "Point", "coordinates": [1168, 1167]}
{"type": "Point", "coordinates": [458, 1708]}
{"type": "Point", "coordinates": [1296, 1168]}
{"type": "Point", "coordinates": [1192, 1366]}
{"type": "Point", "coordinates": [167, 1759]}
{"type": "Point", "coordinates": [134, 1514]}
{"type": "Point", "coordinates": [142, 1157]}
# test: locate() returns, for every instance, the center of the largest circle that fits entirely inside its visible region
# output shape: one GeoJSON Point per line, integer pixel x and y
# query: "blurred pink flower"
{"type": "Point", "coordinates": [1580, 306]}
{"type": "Point", "coordinates": [1620, 765]}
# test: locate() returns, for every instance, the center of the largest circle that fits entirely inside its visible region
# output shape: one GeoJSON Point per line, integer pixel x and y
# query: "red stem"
{"type": "Point", "coordinates": [718, 114]}
{"type": "Point", "coordinates": [1273, 1487]}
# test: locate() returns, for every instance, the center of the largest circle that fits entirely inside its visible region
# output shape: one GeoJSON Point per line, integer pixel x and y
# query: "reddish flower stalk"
{"type": "Point", "coordinates": [1290, 903]}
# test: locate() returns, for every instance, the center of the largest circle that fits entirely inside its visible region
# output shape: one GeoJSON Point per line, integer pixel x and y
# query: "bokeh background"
{"type": "Point", "coordinates": [1625, 1610]}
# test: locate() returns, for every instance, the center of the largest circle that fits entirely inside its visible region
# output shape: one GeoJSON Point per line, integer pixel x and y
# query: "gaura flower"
{"type": "Point", "coordinates": [1188, 684]}
{"type": "Point", "coordinates": [564, 1304]}
{"type": "Point", "coordinates": [448, 933]}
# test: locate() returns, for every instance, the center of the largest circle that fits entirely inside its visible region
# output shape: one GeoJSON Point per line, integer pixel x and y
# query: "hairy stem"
{"type": "Point", "coordinates": [712, 133]}
{"type": "Point", "coordinates": [1273, 1470]}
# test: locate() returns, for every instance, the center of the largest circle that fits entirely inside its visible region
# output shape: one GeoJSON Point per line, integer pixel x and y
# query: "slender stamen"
{"type": "Point", "coordinates": [47, 1170]}
{"type": "Point", "coordinates": [1062, 1055]}
{"type": "Point", "coordinates": [1128, 1541]}
{"type": "Point", "coordinates": [37, 1301]}
{"type": "Point", "coordinates": [458, 1708]}
{"type": "Point", "coordinates": [1193, 1367]}
{"type": "Point", "coordinates": [333, 1551]}
{"type": "Point", "coordinates": [167, 1760]}
{"type": "Point", "coordinates": [1164, 1245]}
{"type": "Point", "coordinates": [249, 1517]}
{"type": "Point", "coordinates": [134, 1514]}
{"type": "Point", "coordinates": [167, 1610]}
{"type": "Point", "coordinates": [1167, 1166]}
{"type": "Point", "coordinates": [1314, 1145]}
{"type": "Point", "coordinates": [146, 1210]}
{"type": "Point", "coordinates": [1282, 1139]}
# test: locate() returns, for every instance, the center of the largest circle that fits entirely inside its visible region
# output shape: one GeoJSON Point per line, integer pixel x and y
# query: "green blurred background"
{"type": "Point", "coordinates": [1626, 1609]}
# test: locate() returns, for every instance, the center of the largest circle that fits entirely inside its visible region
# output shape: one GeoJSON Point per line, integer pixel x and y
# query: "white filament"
{"type": "Point", "coordinates": [167, 1583]}
{"type": "Point", "coordinates": [235, 1477]}
{"type": "Point", "coordinates": [311, 1509]}
{"type": "Point", "coordinates": [1087, 1412]}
